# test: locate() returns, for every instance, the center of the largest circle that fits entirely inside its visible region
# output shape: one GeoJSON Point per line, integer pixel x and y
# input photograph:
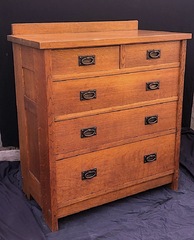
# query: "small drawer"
{"type": "Point", "coordinates": [138, 55]}
{"type": "Point", "coordinates": [111, 91]}
{"type": "Point", "coordinates": [81, 135]}
{"type": "Point", "coordinates": [89, 175]}
{"type": "Point", "coordinates": [85, 60]}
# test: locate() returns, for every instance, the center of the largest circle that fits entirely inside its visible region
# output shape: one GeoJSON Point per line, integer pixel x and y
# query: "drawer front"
{"type": "Point", "coordinates": [108, 170]}
{"type": "Point", "coordinates": [137, 55]}
{"type": "Point", "coordinates": [103, 92]}
{"type": "Point", "coordinates": [95, 132]}
{"type": "Point", "coordinates": [83, 60]}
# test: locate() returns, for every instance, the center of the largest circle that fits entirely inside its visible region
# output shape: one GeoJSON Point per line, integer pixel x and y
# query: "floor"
{"type": "Point", "coordinates": [9, 153]}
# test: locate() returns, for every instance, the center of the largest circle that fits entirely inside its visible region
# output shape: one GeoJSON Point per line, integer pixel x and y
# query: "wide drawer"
{"type": "Point", "coordinates": [104, 92]}
{"type": "Point", "coordinates": [150, 54]}
{"type": "Point", "coordinates": [89, 175]}
{"type": "Point", "coordinates": [83, 60]}
{"type": "Point", "coordinates": [95, 132]}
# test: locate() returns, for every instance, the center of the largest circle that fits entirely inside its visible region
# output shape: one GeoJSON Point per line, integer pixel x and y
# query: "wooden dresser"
{"type": "Point", "coordinates": [99, 111]}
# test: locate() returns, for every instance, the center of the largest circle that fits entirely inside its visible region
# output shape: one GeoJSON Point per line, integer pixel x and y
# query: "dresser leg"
{"type": "Point", "coordinates": [28, 195]}
{"type": "Point", "coordinates": [174, 184]}
{"type": "Point", "coordinates": [26, 191]}
{"type": "Point", "coordinates": [54, 226]}
{"type": "Point", "coordinates": [51, 221]}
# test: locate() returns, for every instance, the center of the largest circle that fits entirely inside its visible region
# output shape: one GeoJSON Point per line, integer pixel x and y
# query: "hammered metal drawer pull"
{"type": "Point", "coordinates": [153, 54]}
{"type": "Point", "coordinates": [89, 174]}
{"type": "Point", "coordinates": [152, 86]}
{"type": "Point", "coordinates": [88, 132]}
{"type": "Point", "coordinates": [86, 60]}
{"type": "Point", "coordinates": [151, 120]}
{"type": "Point", "coordinates": [87, 95]}
{"type": "Point", "coordinates": [150, 158]}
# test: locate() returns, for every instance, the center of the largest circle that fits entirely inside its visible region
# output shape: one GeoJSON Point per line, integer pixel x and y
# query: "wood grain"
{"type": "Point", "coordinates": [32, 135]}
{"type": "Point", "coordinates": [43, 28]}
{"type": "Point", "coordinates": [112, 196]}
{"type": "Point", "coordinates": [29, 84]}
{"type": "Point", "coordinates": [116, 169]}
{"type": "Point", "coordinates": [44, 110]}
{"type": "Point", "coordinates": [22, 125]}
{"type": "Point", "coordinates": [134, 55]}
{"type": "Point", "coordinates": [113, 91]}
{"type": "Point", "coordinates": [174, 184]}
{"type": "Point", "coordinates": [112, 128]}
{"type": "Point", "coordinates": [66, 61]}
{"type": "Point", "coordinates": [116, 72]}
{"type": "Point", "coordinates": [83, 39]}
{"type": "Point", "coordinates": [35, 188]}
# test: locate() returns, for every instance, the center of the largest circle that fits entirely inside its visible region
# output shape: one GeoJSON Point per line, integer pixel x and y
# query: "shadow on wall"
{"type": "Point", "coordinates": [192, 116]}
{"type": "Point", "coordinates": [0, 141]}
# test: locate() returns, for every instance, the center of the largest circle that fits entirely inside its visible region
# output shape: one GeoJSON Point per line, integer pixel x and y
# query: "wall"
{"type": "Point", "coordinates": [0, 141]}
{"type": "Point", "coordinates": [174, 15]}
{"type": "Point", "coordinates": [192, 117]}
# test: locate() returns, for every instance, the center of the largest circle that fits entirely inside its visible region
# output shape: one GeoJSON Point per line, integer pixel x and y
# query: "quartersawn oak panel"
{"type": "Point", "coordinates": [111, 128]}
{"type": "Point", "coordinates": [117, 168]}
{"type": "Point", "coordinates": [112, 91]}
{"type": "Point", "coordinates": [29, 84]}
{"type": "Point", "coordinates": [135, 55]}
{"type": "Point", "coordinates": [32, 135]}
{"type": "Point", "coordinates": [73, 27]}
{"type": "Point", "coordinates": [66, 61]}
{"type": "Point", "coordinates": [158, 180]}
{"type": "Point", "coordinates": [102, 38]}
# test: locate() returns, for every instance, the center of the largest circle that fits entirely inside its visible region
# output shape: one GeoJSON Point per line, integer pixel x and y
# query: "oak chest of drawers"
{"type": "Point", "coordinates": [99, 111]}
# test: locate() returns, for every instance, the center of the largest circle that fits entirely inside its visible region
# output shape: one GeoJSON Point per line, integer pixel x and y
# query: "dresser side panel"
{"type": "Point", "coordinates": [38, 107]}
{"type": "Point", "coordinates": [30, 102]}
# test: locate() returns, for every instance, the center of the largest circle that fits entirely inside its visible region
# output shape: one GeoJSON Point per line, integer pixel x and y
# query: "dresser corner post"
{"type": "Point", "coordinates": [21, 112]}
{"type": "Point", "coordinates": [51, 219]}
{"type": "Point", "coordinates": [183, 45]}
{"type": "Point", "coordinates": [175, 183]}
{"type": "Point", "coordinates": [46, 132]}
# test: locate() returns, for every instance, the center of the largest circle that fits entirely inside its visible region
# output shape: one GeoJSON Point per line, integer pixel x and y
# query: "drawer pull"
{"type": "Point", "coordinates": [153, 54]}
{"type": "Point", "coordinates": [150, 158]}
{"type": "Point", "coordinates": [89, 174]}
{"type": "Point", "coordinates": [86, 60]}
{"type": "Point", "coordinates": [151, 120]}
{"type": "Point", "coordinates": [88, 132]}
{"type": "Point", "coordinates": [152, 86]}
{"type": "Point", "coordinates": [87, 95]}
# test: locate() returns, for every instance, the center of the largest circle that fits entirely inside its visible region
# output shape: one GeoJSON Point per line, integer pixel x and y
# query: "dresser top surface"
{"type": "Point", "coordinates": [72, 35]}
